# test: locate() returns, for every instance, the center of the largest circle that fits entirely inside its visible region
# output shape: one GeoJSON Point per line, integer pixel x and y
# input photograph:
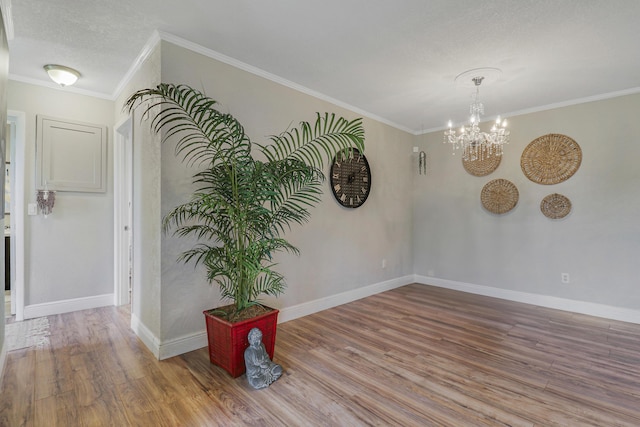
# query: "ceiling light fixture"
{"type": "Point", "coordinates": [64, 76]}
{"type": "Point", "coordinates": [475, 144]}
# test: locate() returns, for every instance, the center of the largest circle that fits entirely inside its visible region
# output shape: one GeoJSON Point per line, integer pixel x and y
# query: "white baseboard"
{"type": "Point", "coordinates": [582, 307]}
{"type": "Point", "coordinates": [66, 306]}
{"type": "Point", "coordinates": [307, 308]}
{"type": "Point", "coordinates": [146, 336]}
{"type": "Point", "coordinates": [183, 344]}
{"type": "Point", "coordinates": [195, 341]}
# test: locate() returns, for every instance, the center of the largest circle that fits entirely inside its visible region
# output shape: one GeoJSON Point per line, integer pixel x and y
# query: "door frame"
{"type": "Point", "coordinates": [17, 205]}
{"type": "Point", "coordinates": [123, 209]}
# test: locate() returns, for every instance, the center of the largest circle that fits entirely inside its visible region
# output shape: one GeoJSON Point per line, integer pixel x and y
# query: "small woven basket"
{"type": "Point", "coordinates": [499, 196]}
{"type": "Point", "coordinates": [555, 206]}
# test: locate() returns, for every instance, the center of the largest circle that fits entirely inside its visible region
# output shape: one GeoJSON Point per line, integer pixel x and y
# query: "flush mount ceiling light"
{"type": "Point", "coordinates": [476, 144]}
{"type": "Point", "coordinates": [62, 75]}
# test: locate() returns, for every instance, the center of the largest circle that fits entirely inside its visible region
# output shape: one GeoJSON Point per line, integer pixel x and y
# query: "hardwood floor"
{"type": "Point", "coordinates": [413, 356]}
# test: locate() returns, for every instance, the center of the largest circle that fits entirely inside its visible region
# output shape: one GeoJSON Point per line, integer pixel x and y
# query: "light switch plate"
{"type": "Point", "coordinates": [32, 209]}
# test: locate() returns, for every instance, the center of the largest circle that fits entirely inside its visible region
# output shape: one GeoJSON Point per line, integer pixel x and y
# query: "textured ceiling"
{"type": "Point", "coordinates": [390, 59]}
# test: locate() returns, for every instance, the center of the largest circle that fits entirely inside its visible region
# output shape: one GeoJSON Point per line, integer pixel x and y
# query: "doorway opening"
{"type": "Point", "coordinates": [123, 212]}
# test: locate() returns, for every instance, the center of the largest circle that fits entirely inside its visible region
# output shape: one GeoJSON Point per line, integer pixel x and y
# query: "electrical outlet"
{"type": "Point", "coordinates": [565, 277]}
{"type": "Point", "coordinates": [384, 263]}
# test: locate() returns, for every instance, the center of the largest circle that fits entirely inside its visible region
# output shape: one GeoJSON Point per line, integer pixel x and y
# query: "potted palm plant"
{"type": "Point", "coordinates": [247, 195]}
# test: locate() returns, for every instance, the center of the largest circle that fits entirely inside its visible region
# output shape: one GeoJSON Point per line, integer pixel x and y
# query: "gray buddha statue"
{"type": "Point", "coordinates": [261, 371]}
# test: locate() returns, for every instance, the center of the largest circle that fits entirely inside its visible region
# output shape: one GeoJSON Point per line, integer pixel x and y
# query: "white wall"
{"type": "Point", "coordinates": [524, 251]}
{"type": "Point", "coordinates": [69, 255]}
{"type": "Point", "coordinates": [341, 249]}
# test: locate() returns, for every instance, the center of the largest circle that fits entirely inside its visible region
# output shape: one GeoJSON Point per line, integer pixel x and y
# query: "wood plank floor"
{"type": "Point", "coordinates": [413, 356]}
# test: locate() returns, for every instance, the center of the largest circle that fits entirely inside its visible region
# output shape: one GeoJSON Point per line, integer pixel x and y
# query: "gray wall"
{"type": "Point", "coordinates": [341, 249]}
{"type": "Point", "coordinates": [597, 243]}
{"type": "Point", "coordinates": [431, 225]}
{"type": "Point", "coordinates": [145, 304]}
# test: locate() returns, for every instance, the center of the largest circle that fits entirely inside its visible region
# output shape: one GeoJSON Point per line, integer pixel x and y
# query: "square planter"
{"type": "Point", "coordinates": [228, 341]}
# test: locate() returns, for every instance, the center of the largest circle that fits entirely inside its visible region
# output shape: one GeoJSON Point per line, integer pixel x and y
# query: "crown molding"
{"type": "Point", "coordinates": [600, 97]}
{"type": "Point", "coordinates": [147, 49]}
{"type": "Point", "coordinates": [194, 47]}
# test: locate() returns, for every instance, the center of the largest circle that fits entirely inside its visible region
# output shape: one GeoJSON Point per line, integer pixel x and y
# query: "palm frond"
{"type": "Point", "coordinates": [313, 145]}
{"type": "Point", "coordinates": [205, 134]}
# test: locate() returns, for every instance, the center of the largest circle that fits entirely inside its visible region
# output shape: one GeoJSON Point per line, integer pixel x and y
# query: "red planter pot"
{"type": "Point", "coordinates": [228, 341]}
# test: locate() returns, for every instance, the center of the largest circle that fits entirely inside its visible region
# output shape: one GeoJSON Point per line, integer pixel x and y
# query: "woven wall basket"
{"type": "Point", "coordinates": [499, 196]}
{"type": "Point", "coordinates": [555, 206]}
{"type": "Point", "coordinates": [551, 159]}
{"type": "Point", "coordinates": [482, 166]}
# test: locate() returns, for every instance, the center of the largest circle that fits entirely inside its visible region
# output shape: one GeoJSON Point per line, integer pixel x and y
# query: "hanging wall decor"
{"type": "Point", "coordinates": [499, 196]}
{"type": "Point", "coordinates": [555, 206]}
{"type": "Point", "coordinates": [483, 165]}
{"type": "Point", "coordinates": [551, 159]}
{"type": "Point", "coordinates": [422, 163]}
{"type": "Point", "coordinates": [46, 199]}
{"type": "Point", "coordinates": [350, 177]}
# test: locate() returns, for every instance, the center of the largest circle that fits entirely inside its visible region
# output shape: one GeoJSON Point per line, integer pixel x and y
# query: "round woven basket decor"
{"type": "Point", "coordinates": [555, 206]}
{"type": "Point", "coordinates": [551, 159]}
{"type": "Point", "coordinates": [482, 166]}
{"type": "Point", "coordinates": [499, 196]}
